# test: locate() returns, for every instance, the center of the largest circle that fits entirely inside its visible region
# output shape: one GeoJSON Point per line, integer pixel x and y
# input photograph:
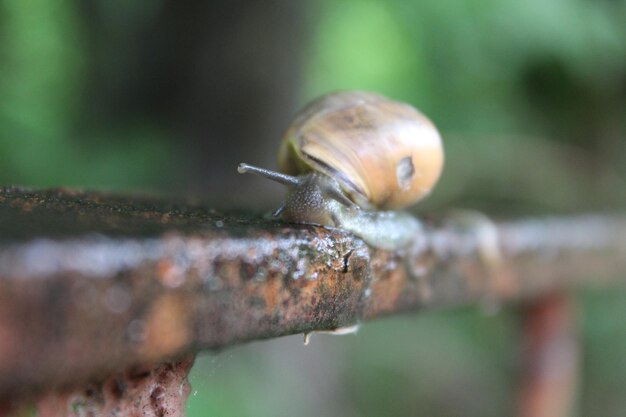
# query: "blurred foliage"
{"type": "Point", "coordinates": [388, 368]}
{"type": "Point", "coordinates": [438, 364]}
{"type": "Point", "coordinates": [531, 101]}
{"type": "Point", "coordinates": [530, 97]}
{"type": "Point", "coordinates": [43, 84]}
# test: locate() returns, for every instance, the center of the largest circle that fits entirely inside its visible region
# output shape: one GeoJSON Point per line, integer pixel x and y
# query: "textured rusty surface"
{"type": "Point", "coordinates": [550, 358]}
{"type": "Point", "coordinates": [91, 284]}
{"type": "Point", "coordinates": [158, 392]}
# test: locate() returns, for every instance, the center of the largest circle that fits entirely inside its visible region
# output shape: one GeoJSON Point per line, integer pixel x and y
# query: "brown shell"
{"type": "Point", "coordinates": [385, 154]}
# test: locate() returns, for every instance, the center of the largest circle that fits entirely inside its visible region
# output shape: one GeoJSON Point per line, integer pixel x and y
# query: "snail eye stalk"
{"type": "Point", "coordinates": [288, 180]}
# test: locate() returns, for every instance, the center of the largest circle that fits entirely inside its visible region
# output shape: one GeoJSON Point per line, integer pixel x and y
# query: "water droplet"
{"type": "Point", "coordinates": [419, 270]}
{"type": "Point", "coordinates": [213, 283]}
{"type": "Point", "coordinates": [117, 299]}
{"type": "Point", "coordinates": [172, 271]}
{"type": "Point", "coordinates": [136, 330]}
{"type": "Point", "coordinates": [260, 275]}
{"type": "Point", "coordinates": [392, 265]}
{"type": "Point", "coordinates": [278, 266]}
{"type": "Point", "coordinates": [301, 267]}
{"type": "Point", "coordinates": [219, 224]}
{"type": "Point", "coordinates": [341, 331]}
{"type": "Point", "coordinates": [84, 294]}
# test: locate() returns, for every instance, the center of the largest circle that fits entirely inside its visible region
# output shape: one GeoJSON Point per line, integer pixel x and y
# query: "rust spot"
{"type": "Point", "coordinates": [156, 400]}
{"type": "Point", "coordinates": [166, 327]}
{"type": "Point", "coordinates": [170, 274]}
{"type": "Point", "coordinates": [160, 391]}
{"type": "Point", "coordinates": [137, 375]}
{"type": "Point", "coordinates": [118, 387]}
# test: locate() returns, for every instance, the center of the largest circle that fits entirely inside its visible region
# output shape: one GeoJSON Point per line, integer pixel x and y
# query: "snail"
{"type": "Point", "coordinates": [351, 159]}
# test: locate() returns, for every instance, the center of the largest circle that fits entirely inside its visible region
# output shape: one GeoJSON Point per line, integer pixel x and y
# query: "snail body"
{"type": "Point", "coordinates": [350, 157]}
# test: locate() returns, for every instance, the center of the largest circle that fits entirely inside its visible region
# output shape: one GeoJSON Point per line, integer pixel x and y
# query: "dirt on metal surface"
{"type": "Point", "coordinates": [92, 285]}
{"type": "Point", "coordinates": [157, 392]}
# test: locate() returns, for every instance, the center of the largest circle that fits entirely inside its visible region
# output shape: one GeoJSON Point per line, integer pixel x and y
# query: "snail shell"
{"type": "Point", "coordinates": [384, 154]}
{"type": "Point", "coordinates": [351, 156]}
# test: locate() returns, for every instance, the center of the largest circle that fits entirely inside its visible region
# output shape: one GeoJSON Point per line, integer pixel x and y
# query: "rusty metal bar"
{"type": "Point", "coordinates": [161, 391]}
{"type": "Point", "coordinates": [92, 285]}
{"type": "Point", "coordinates": [550, 358]}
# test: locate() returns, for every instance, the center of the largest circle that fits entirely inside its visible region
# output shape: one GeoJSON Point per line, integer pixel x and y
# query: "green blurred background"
{"type": "Point", "coordinates": [166, 97]}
